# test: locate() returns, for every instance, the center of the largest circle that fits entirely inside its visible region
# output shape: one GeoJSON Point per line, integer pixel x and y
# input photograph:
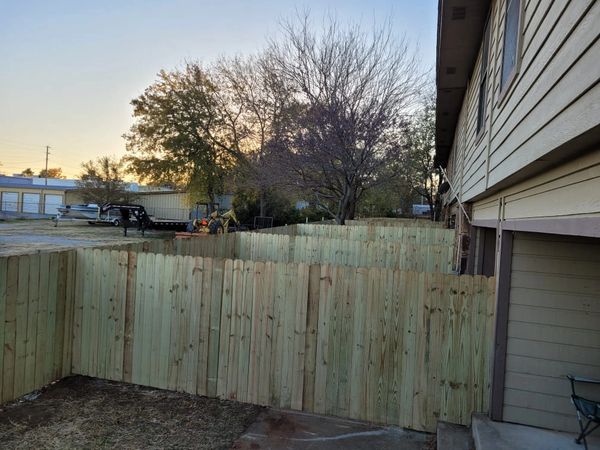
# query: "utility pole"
{"type": "Point", "coordinates": [46, 173]}
{"type": "Point", "coordinates": [43, 202]}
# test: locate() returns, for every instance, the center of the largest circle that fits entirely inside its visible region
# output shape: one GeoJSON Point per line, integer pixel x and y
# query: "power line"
{"type": "Point", "coordinates": [16, 148]}
{"type": "Point", "coordinates": [19, 144]}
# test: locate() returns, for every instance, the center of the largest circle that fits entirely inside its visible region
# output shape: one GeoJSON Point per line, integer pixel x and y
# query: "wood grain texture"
{"type": "Point", "coordinates": [378, 344]}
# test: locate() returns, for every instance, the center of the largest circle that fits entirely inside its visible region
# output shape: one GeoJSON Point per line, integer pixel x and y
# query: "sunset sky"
{"type": "Point", "coordinates": [70, 68]}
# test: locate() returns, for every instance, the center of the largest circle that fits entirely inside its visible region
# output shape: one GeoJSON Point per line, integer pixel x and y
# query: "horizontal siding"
{"type": "Point", "coordinates": [569, 190]}
{"type": "Point", "coordinates": [540, 51]}
{"type": "Point", "coordinates": [574, 336]}
{"type": "Point", "coordinates": [578, 118]}
{"type": "Point", "coordinates": [552, 282]}
{"type": "Point", "coordinates": [553, 328]}
{"type": "Point", "coordinates": [545, 90]}
{"type": "Point", "coordinates": [550, 299]}
{"type": "Point", "coordinates": [542, 419]}
{"type": "Point", "coordinates": [540, 402]}
{"type": "Point", "coordinates": [548, 265]}
{"type": "Point", "coordinates": [487, 209]}
{"type": "Point", "coordinates": [568, 196]}
{"type": "Point", "coordinates": [551, 385]}
{"type": "Point", "coordinates": [554, 98]}
{"type": "Point", "coordinates": [544, 368]}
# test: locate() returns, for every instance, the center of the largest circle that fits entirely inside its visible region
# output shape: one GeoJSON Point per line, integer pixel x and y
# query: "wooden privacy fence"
{"type": "Point", "coordinates": [396, 222]}
{"type": "Point", "coordinates": [317, 250]}
{"type": "Point", "coordinates": [310, 250]}
{"type": "Point", "coordinates": [382, 345]}
{"type": "Point", "coordinates": [406, 234]}
{"type": "Point", "coordinates": [36, 301]}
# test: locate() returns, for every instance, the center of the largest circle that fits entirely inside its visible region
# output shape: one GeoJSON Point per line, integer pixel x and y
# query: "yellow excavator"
{"type": "Point", "coordinates": [216, 223]}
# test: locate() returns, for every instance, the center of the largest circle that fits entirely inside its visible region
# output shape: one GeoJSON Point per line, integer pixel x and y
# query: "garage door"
{"type": "Point", "coordinates": [31, 203]}
{"type": "Point", "coordinates": [52, 203]}
{"type": "Point", "coordinates": [10, 201]}
{"type": "Point", "coordinates": [553, 329]}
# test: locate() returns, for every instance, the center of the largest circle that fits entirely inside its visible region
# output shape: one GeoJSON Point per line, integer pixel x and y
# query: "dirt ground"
{"type": "Point", "coordinates": [23, 236]}
{"type": "Point", "coordinates": [82, 412]}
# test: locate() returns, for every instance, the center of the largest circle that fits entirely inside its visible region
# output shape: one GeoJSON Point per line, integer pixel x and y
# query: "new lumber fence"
{"type": "Point", "coordinates": [396, 222]}
{"type": "Point", "coordinates": [384, 345]}
{"type": "Point", "coordinates": [306, 249]}
{"type": "Point", "coordinates": [36, 310]}
{"type": "Point", "coordinates": [405, 234]}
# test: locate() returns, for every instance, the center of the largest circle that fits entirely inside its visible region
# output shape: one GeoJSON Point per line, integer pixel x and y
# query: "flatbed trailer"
{"type": "Point", "coordinates": [127, 216]}
{"type": "Point", "coordinates": [136, 215]}
{"type": "Point", "coordinates": [168, 224]}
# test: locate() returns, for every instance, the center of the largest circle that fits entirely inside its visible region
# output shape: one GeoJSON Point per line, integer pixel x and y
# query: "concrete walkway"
{"type": "Point", "coordinates": [288, 430]}
{"type": "Point", "coordinates": [490, 435]}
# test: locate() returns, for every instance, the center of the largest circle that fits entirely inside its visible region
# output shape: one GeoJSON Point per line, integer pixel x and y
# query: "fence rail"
{"type": "Point", "coordinates": [382, 345]}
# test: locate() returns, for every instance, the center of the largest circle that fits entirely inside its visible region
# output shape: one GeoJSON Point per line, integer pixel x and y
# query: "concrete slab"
{"type": "Point", "coordinates": [489, 435]}
{"type": "Point", "coordinates": [276, 429]}
{"type": "Point", "coordinates": [454, 437]}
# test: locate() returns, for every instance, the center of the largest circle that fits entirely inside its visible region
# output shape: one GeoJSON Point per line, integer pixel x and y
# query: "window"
{"type": "Point", "coordinates": [511, 42]}
{"type": "Point", "coordinates": [483, 75]}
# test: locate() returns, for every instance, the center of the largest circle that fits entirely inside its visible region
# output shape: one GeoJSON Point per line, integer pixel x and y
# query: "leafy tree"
{"type": "Point", "coordinates": [27, 172]}
{"type": "Point", "coordinates": [182, 136]}
{"type": "Point", "coordinates": [55, 172]}
{"type": "Point", "coordinates": [102, 182]}
{"type": "Point", "coordinates": [353, 91]}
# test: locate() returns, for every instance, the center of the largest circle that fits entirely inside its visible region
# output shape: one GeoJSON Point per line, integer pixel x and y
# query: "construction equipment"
{"type": "Point", "coordinates": [216, 223]}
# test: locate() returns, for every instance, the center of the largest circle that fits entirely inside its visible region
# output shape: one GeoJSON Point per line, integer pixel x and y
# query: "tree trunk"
{"type": "Point", "coordinates": [263, 202]}
{"type": "Point", "coordinates": [210, 194]}
{"type": "Point", "coordinates": [347, 205]}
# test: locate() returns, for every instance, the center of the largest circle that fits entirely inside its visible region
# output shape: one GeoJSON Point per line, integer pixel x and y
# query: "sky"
{"type": "Point", "coordinates": [69, 68]}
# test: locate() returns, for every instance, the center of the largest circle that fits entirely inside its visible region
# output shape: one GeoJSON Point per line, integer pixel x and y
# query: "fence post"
{"type": "Point", "coordinates": [129, 316]}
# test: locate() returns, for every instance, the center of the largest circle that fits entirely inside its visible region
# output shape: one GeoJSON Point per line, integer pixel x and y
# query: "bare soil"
{"type": "Point", "coordinates": [26, 236]}
{"type": "Point", "coordinates": [82, 412]}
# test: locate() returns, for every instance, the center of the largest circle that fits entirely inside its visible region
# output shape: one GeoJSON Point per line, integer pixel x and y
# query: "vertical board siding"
{"type": "Point", "coordinates": [36, 311]}
{"type": "Point", "coordinates": [377, 344]}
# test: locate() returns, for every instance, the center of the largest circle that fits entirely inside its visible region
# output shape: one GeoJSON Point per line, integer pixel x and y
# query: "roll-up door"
{"type": "Point", "coordinates": [553, 328]}
{"type": "Point", "coordinates": [31, 203]}
{"type": "Point", "coordinates": [51, 204]}
{"type": "Point", "coordinates": [10, 201]}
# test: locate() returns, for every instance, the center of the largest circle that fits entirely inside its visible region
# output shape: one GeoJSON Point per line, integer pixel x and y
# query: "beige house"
{"type": "Point", "coordinates": [518, 131]}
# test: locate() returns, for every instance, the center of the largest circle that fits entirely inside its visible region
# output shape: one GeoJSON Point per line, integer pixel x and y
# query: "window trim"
{"type": "Point", "coordinates": [483, 81]}
{"type": "Point", "coordinates": [517, 67]}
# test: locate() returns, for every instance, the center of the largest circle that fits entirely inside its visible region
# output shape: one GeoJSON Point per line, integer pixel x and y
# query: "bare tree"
{"type": "Point", "coordinates": [255, 103]}
{"type": "Point", "coordinates": [416, 166]}
{"type": "Point", "coordinates": [352, 91]}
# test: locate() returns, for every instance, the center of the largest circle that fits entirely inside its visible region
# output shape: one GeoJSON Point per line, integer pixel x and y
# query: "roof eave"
{"type": "Point", "coordinates": [459, 34]}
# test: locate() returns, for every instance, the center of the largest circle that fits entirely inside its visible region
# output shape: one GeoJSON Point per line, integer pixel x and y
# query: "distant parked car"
{"type": "Point", "coordinates": [421, 210]}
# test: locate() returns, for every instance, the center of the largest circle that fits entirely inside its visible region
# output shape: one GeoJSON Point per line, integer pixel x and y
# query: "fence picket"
{"type": "Point", "coordinates": [379, 344]}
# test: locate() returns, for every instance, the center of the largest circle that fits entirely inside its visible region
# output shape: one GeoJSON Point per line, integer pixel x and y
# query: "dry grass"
{"type": "Point", "coordinates": [25, 236]}
{"type": "Point", "coordinates": [81, 412]}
